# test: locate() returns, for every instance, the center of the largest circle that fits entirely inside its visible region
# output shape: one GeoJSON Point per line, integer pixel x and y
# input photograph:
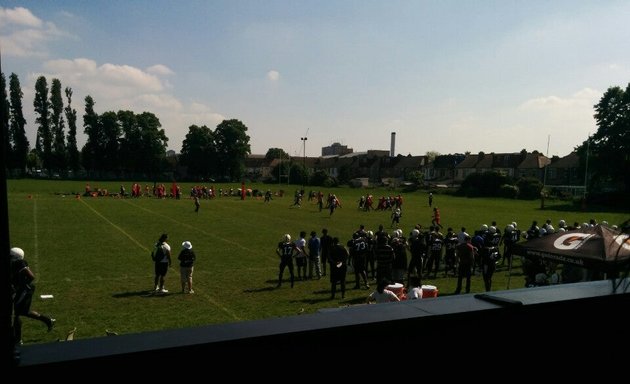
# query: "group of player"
{"type": "Point", "coordinates": [395, 258]}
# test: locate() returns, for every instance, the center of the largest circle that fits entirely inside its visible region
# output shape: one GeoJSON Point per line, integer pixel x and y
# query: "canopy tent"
{"type": "Point", "coordinates": [600, 248]}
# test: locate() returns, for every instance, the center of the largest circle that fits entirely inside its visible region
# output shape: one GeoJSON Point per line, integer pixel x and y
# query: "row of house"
{"type": "Point", "coordinates": [376, 167]}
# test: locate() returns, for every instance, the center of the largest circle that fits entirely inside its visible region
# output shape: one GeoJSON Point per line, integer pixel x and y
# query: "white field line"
{"type": "Point", "coordinates": [115, 226]}
{"type": "Point", "coordinates": [200, 230]}
{"type": "Point", "coordinates": [207, 297]}
{"type": "Point", "coordinates": [35, 258]}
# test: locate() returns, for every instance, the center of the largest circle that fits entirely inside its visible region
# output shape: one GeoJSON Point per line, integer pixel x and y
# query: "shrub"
{"type": "Point", "coordinates": [508, 191]}
{"type": "Point", "coordinates": [529, 188]}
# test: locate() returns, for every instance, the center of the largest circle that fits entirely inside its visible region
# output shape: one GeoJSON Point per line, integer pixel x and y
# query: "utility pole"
{"type": "Point", "coordinates": [304, 160]}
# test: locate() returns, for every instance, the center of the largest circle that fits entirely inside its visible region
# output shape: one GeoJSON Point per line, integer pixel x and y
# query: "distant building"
{"type": "Point", "coordinates": [336, 149]}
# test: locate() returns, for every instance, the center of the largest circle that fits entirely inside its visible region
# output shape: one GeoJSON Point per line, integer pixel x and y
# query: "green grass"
{"type": "Point", "coordinates": [93, 254]}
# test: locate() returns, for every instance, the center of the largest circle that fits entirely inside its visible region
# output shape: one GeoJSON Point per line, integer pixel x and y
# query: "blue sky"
{"type": "Point", "coordinates": [446, 76]}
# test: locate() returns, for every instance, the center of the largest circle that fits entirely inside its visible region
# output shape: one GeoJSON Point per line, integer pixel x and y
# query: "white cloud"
{"type": "Point", "coordinates": [19, 16]}
{"type": "Point", "coordinates": [273, 75]}
{"type": "Point", "coordinates": [25, 35]}
{"type": "Point", "coordinates": [585, 97]}
{"type": "Point", "coordinates": [123, 87]}
{"type": "Point", "coordinates": [158, 102]}
{"type": "Point", "coordinates": [108, 80]}
{"type": "Point", "coordinates": [160, 70]}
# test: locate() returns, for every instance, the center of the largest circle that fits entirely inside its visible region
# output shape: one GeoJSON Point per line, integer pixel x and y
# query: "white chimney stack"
{"type": "Point", "coordinates": [392, 153]}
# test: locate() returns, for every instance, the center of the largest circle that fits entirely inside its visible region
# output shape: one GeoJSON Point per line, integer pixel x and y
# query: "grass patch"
{"type": "Point", "coordinates": [93, 254]}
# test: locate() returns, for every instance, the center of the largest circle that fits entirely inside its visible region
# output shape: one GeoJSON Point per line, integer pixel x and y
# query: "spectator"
{"type": "Point", "coordinates": [465, 261]}
{"type": "Point", "coordinates": [314, 247]}
{"type": "Point", "coordinates": [186, 265]}
{"type": "Point", "coordinates": [382, 295]}
{"type": "Point", "coordinates": [326, 245]}
{"type": "Point", "coordinates": [415, 288]}
{"type": "Point", "coordinates": [338, 267]}
{"type": "Point", "coordinates": [162, 259]}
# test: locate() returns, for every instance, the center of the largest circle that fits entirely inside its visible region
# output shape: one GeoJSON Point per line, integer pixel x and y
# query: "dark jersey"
{"type": "Point", "coordinates": [19, 277]}
{"type": "Point", "coordinates": [186, 258]}
{"type": "Point", "coordinates": [286, 250]}
{"type": "Point", "coordinates": [451, 244]}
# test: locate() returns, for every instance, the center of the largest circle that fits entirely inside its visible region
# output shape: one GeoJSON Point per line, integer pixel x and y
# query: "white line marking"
{"type": "Point", "coordinates": [115, 226]}
{"type": "Point", "coordinates": [216, 304]}
{"type": "Point", "coordinates": [200, 230]}
{"type": "Point", "coordinates": [35, 238]}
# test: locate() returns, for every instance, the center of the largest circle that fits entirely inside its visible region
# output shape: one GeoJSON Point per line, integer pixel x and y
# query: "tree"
{"type": "Point", "coordinates": [431, 155]}
{"type": "Point", "coordinates": [608, 158]}
{"type": "Point", "coordinates": [43, 141]}
{"type": "Point", "coordinates": [232, 143]}
{"type": "Point", "coordinates": [199, 152]}
{"type": "Point", "coordinates": [71, 147]}
{"type": "Point", "coordinates": [91, 127]}
{"type": "Point", "coordinates": [110, 130]}
{"type": "Point", "coordinates": [4, 104]}
{"type": "Point", "coordinates": [276, 153]}
{"type": "Point", "coordinates": [17, 124]}
{"type": "Point", "coordinates": [130, 142]}
{"type": "Point", "coordinates": [344, 175]}
{"type": "Point", "coordinates": [57, 125]}
{"type": "Point", "coordinates": [153, 142]}
{"type": "Point", "coordinates": [487, 184]}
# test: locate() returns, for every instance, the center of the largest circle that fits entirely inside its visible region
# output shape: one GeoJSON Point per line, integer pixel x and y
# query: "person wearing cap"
{"type": "Point", "coordinates": [162, 262]}
{"type": "Point", "coordinates": [22, 283]}
{"type": "Point", "coordinates": [186, 265]}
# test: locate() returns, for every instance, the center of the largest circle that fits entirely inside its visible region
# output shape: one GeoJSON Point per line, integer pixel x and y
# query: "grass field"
{"type": "Point", "coordinates": [93, 254]}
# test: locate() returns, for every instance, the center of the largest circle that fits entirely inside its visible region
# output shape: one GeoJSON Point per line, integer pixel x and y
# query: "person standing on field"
{"type": "Point", "coordinates": [286, 251]}
{"type": "Point", "coordinates": [162, 258]}
{"type": "Point", "coordinates": [186, 265]}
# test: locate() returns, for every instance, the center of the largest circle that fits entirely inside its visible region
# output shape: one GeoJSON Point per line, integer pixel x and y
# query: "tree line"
{"type": "Point", "coordinates": [127, 144]}
{"type": "Point", "coordinates": [119, 144]}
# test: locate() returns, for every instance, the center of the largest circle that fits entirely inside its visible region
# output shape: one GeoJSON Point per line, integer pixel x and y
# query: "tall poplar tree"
{"type": "Point", "coordinates": [43, 141]}
{"type": "Point", "coordinates": [4, 103]}
{"type": "Point", "coordinates": [57, 127]}
{"type": "Point", "coordinates": [17, 124]}
{"type": "Point", "coordinates": [71, 147]}
{"type": "Point", "coordinates": [90, 152]}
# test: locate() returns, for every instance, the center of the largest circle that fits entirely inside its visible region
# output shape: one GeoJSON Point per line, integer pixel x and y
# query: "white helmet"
{"type": "Point", "coordinates": [415, 233]}
{"type": "Point", "coordinates": [395, 233]}
{"type": "Point", "coordinates": [370, 234]}
{"type": "Point", "coordinates": [562, 229]}
{"type": "Point", "coordinates": [484, 227]}
{"type": "Point", "coordinates": [17, 253]}
{"type": "Point", "coordinates": [542, 232]}
{"type": "Point", "coordinates": [493, 229]}
{"type": "Point", "coordinates": [550, 229]}
{"type": "Point", "coordinates": [509, 228]}
{"type": "Point", "coordinates": [287, 238]}
{"type": "Point", "coordinates": [514, 224]}
{"type": "Point", "coordinates": [562, 223]}
{"type": "Point", "coordinates": [604, 222]}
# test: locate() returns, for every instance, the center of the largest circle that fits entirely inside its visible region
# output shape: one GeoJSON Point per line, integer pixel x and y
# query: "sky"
{"type": "Point", "coordinates": [446, 76]}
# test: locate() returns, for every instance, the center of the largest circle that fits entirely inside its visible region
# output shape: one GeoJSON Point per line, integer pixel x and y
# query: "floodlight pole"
{"type": "Point", "coordinates": [588, 146]}
{"type": "Point", "coordinates": [304, 160]}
